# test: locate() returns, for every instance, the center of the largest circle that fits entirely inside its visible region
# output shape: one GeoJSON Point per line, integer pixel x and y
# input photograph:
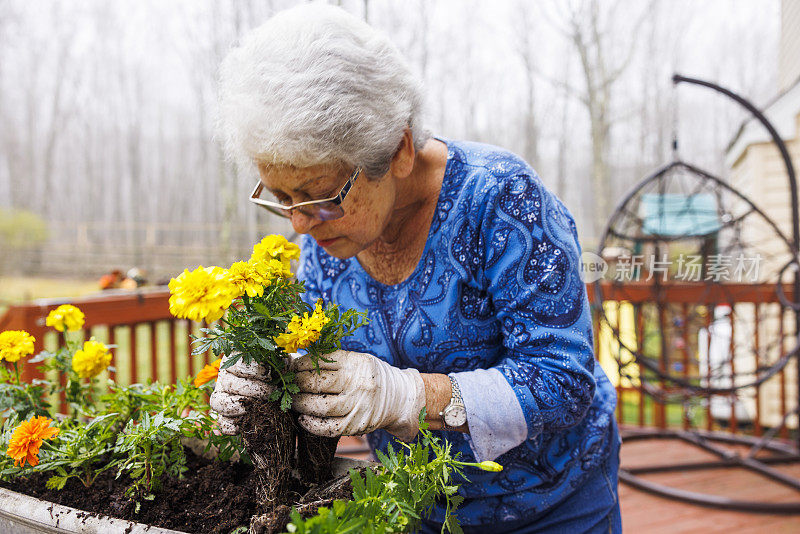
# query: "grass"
{"type": "Point", "coordinates": [629, 402]}
{"type": "Point", "coordinates": [19, 289]}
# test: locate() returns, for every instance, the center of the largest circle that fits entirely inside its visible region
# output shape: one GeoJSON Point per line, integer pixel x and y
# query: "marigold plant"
{"type": "Point", "coordinates": [276, 247]}
{"type": "Point", "coordinates": [66, 317]}
{"type": "Point", "coordinates": [17, 397]}
{"type": "Point", "coordinates": [15, 345]}
{"type": "Point", "coordinates": [77, 361]}
{"type": "Point", "coordinates": [248, 277]}
{"type": "Point", "coordinates": [302, 332]}
{"type": "Point", "coordinates": [27, 439]}
{"type": "Point", "coordinates": [91, 360]}
{"type": "Point", "coordinates": [201, 295]}
{"type": "Point", "coordinates": [266, 318]}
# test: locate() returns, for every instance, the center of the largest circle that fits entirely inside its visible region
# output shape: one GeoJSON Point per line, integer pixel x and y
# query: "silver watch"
{"type": "Point", "coordinates": [454, 414]}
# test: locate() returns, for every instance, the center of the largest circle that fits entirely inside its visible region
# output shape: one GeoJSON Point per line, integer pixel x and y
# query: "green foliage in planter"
{"type": "Point", "coordinates": [136, 430]}
{"type": "Point", "coordinates": [23, 399]}
{"type": "Point", "coordinates": [151, 447]}
{"type": "Point", "coordinates": [131, 401]}
{"type": "Point", "coordinates": [395, 496]}
{"type": "Point", "coordinates": [81, 450]}
{"type": "Point", "coordinates": [6, 462]}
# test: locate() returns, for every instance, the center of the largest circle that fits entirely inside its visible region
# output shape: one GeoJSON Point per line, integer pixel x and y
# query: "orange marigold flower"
{"type": "Point", "coordinates": [208, 373]}
{"type": "Point", "coordinates": [27, 438]}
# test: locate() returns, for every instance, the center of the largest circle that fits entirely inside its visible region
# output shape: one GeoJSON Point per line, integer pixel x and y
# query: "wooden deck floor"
{"type": "Point", "coordinates": [646, 513]}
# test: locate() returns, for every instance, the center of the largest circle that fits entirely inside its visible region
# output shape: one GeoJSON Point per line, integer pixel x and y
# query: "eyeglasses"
{"type": "Point", "coordinates": [325, 209]}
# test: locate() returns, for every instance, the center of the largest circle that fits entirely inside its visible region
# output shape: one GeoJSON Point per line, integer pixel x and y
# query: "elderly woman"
{"type": "Point", "coordinates": [467, 266]}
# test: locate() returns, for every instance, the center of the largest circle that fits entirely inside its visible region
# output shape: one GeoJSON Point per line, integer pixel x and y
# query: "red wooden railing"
{"type": "Point", "coordinates": [158, 344]}
{"type": "Point", "coordinates": [751, 304]}
{"type": "Point", "coordinates": [141, 317]}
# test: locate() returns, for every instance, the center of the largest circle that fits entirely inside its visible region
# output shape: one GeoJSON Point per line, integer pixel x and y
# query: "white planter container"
{"type": "Point", "coordinates": [22, 514]}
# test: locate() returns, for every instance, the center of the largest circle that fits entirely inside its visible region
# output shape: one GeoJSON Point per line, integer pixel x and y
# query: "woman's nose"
{"type": "Point", "coordinates": [302, 223]}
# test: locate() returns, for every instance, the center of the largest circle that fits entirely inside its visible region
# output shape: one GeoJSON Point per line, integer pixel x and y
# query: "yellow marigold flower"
{"type": "Point", "coordinates": [276, 247]}
{"type": "Point", "coordinates": [91, 360]}
{"type": "Point", "coordinates": [15, 344]}
{"type": "Point", "coordinates": [302, 332]}
{"type": "Point", "coordinates": [208, 373]}
{"type": "Point", "coordinates": [278, 268]}
{"type": "Point", "coordinates": [248, 277]}
{"type": "Point", "coordinates": [66, 317]}
{"type": "Point", "coordinates": [202, 294]}
{"type": "Point", "coordinates": [27, 438]}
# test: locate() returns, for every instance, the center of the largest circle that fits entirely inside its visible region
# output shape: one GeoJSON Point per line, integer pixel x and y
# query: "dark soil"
{"type": "Point", "coordinates": [213, 497]}
{"type": "Point", "coordinates": [314, 456]}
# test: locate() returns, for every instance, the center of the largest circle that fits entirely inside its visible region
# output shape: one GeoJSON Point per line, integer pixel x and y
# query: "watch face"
{"type": "Point", "coordinates": [455, 416]}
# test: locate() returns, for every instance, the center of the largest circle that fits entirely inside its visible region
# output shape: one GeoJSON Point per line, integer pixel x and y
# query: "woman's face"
{"type": "Point", "coordinates": [367, 208]}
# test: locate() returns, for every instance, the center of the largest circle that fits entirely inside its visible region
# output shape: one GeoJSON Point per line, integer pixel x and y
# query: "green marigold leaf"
{"type": "Point", "coordinates": [56, 482]}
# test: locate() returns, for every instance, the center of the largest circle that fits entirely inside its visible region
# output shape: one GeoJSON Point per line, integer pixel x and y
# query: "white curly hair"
{"type": "Point", "coordinates": [316, 85]}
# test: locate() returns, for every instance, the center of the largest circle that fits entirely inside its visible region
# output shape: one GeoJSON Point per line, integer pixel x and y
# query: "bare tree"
{"type": "Point", "coordinates": [604, 52]}
{"type": "Point", "coordinates": [527, 48]}
{"type": "Point", "coordinates": [101, 128]}
{"type": "Point", "coordinates": [564, 136]}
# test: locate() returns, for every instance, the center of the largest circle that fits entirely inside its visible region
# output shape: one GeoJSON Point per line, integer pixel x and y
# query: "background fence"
{"type": "Point", "coordinates": [162, 249]}
{"type": "Point", "coordinates": [152, 344]}
{"type": "Point", "coordinates": [747, 324]}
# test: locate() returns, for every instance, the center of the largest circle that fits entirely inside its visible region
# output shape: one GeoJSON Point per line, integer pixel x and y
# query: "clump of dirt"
{"type": "Point", "coordinates": [276, 444]}
{"type": "Point", "coordinates": [276, 519]}
{"type": "Point", "coordinates": [269, 436]}
{"type": "Point", "coordinates": [314, 456]}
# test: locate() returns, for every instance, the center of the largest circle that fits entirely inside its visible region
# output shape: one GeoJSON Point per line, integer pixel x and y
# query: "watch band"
{"type": "Point", "coordinates": [456, 395]}
{"type": "Point", "coordinates": [455, 400]}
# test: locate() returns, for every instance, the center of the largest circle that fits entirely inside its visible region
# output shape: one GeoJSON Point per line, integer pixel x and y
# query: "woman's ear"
{"type": "Point", "coordinates": [403, 160]}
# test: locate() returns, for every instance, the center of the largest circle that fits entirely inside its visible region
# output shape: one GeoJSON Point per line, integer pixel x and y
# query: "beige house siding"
{"type": "Point", "coordinates": [759, 173]}
{"type": "Point", "coordinates": [789, 54]}
{"type": "Point", "coordinates": [757, 170]}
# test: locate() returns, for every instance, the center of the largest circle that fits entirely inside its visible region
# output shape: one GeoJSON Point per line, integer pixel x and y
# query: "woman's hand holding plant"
{"type": "Point", "coordinates": [355, 393]}
{"type": "Point", "coordinates": [235, 384]}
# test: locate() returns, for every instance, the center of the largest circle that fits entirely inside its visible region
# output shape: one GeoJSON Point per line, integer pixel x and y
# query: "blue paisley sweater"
{"type": "Point", "coordinates": [497, 289]}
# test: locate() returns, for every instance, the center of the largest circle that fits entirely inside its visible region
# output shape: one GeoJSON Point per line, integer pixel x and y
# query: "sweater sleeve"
{"type": "Point", "coordinates": [521, 245]}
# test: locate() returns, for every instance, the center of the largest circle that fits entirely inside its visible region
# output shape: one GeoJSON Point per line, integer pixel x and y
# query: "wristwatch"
{"type": "Point", "coordinates": [454, 414]}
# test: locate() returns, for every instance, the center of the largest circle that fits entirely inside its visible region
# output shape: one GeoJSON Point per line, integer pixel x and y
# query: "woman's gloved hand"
{"type": "Point", "coordinates": [235, 384]}
{"type": "Point", "coordinates": [357, 393]}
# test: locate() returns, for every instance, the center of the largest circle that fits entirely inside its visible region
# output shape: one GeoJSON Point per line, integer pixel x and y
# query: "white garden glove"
{"type": "Point", "coordinates": [235, 384]}
{"type": "Point", "coordinates": [357, 393]}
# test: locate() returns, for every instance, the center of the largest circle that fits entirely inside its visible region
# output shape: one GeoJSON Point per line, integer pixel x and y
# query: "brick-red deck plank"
{"type": "Point", "coordinates": [643, 512]}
